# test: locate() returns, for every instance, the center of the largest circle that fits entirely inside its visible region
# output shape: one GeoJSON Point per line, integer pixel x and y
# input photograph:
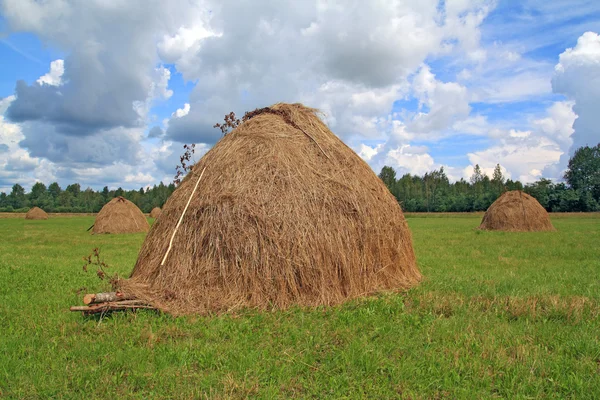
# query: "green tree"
{"type": "Point", "coordinates": [40, 197]}
{"type": "Point", "coordinates": [436, 183]}
{"type": "Point", "coordinates": [74, 189]}
{"type": "Point", "coordinates": [388, 176]}
{"type": "Point", "coordinates": [54, 190]}
{"type": "Point", "coordinates": [105, 194]}
{"type": "Point", "coordinates": [66, 201]}
{"type": "Point", "coordinates": [17, 196]}
{"type": "Point", "coordinates": [477, 175]}
{"type": "Point", "coordinates": [583, 172]}
{"type": "Point", "coordinates": [498, 180]}
{"type": "Point", "coordinates": [541, 190]}
{"type": "Point", "coordinates": [4, 201]}
{"type": "Point", "coordinates": [37, 194]}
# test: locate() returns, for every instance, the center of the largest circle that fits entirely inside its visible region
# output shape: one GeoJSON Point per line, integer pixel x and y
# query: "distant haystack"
{"type": "Point", "coordinates": [36, 213]}
{"type": "Point", "coordinates": [155, 213]}
{"type": "Point", "coordinates": [516, 211]}
{"type": "Point", "coordinates": [120, 216]}
{"type": "Point", "coordinates": [284, 214]}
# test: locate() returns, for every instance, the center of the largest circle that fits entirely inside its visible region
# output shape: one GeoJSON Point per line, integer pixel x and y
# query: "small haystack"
{"type": "Point", "coordinates": [516, 211]}
{"type": "Point", "coordinates": [36, 213]}
{"type": "Point", "coordinates": [279, 212]}
{"type": "Point", "coordinates": [120, 216]}
{"type": "Point", "coordinates": [155, 213]}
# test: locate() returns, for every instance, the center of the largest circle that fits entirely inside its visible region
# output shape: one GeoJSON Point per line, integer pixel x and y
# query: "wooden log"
{"type": "Point", "coordinates": [113, 306]}
{"type": "Point", "coordinates": [105, 297]}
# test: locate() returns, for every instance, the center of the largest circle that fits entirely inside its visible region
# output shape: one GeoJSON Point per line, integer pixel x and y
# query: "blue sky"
{"type": "Point", "coordinates": [414, 86]}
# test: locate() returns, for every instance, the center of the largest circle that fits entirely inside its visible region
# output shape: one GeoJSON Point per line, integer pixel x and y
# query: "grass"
{"type": "Point", "coordinates": [499, 315]}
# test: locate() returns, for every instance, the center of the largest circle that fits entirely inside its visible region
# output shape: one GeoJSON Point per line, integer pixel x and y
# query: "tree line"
{"type": "Point", "coordinates": [433, 192]}
{"type": "Point", "coordinates": [72, 199]}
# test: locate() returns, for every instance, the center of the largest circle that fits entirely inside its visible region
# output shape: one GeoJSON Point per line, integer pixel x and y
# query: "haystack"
{"type": "Point", "coordinates": [516, 211]}
{"type": "Point", "coordinates": [36, 213]}
{"type": "Point", "coordinates": [281, 212]}
{"type": "Point", "coordinates": [155, 213]}
{"type": "Point", "coordinates": [120, 216]}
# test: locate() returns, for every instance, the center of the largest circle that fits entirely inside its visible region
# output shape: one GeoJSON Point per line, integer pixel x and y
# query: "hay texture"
{"type": "Point", "coordinates": [155, 213]}
{"type": "Point", "coordinates": [120, 216]}
{"type": "Point", "coordinates": [516, 211]}
{"type": "Point", "coordinates": [285, 214]}
{"type": "Point", "coordinates": [36, 213]}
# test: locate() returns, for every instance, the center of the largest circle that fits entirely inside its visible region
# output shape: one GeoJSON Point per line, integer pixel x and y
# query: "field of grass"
{"type": "Point", "coordinates": [498, 315]}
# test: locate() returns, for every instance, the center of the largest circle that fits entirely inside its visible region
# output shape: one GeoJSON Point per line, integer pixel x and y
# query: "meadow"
{"type": "Point", "coordinates": [498, 315]}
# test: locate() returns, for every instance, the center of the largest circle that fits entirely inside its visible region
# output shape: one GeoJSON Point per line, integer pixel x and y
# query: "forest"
{"type": "Point", "coordinates": [72, 199]}
{"type": "Point", "coordinates": [432, 192]}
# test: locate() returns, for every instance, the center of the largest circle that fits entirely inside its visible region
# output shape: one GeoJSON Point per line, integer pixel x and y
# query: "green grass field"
{"type": "Point", "coordinates": [498, 315]}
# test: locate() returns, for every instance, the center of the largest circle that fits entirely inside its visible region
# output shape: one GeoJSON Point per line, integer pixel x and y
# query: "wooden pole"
{"type": "Point", "coordinates": [181, 218]}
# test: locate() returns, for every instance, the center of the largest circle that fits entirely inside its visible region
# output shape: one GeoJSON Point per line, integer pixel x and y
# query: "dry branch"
{"type": "Point", "coordinates": [113, 306]}
{"type": "Point", "coordinates": [105, 297]}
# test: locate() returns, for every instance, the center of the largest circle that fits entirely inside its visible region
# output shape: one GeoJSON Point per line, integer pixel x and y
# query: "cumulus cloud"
{"type": "Point", "coordinates": [530, 154]}
{"type": "Point", "coordinates": [88, 114]}
{"type": "Point", "coordinates": [109, 71]}
{"type": "Point", "coordinates": [140, 178]}
{"type": "Point", "coordinates": [155, 132]}
{"type": "Point", "coordinates": [15, 163]}
{"type": "Point", "coordinates": [577, 76]}
{"type": "Point", "coordinates": [103, 148]}
{"type": "Point", "coordinates": [54, 76]}
{"type": "Point", "coordinates": [182, 112]}
{"type": "Point", "coordinates": [445, 103]}
{"type": "Point", "coordinates": [21, 161]}
{"type": "Point", "coordinates": [253, 54]}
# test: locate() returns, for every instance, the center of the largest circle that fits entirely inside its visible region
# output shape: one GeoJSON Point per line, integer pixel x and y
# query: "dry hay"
{"type": "Point", "coordinates": [120, 216]}
{"type": "Point", "coordinates": [155, 213]}
{"type": "Point", "coordinates": [516, 211]}
{"type": "Point", "coordinates": [36, 213]}
{"type": "Point", "coordinates": [285, 213]}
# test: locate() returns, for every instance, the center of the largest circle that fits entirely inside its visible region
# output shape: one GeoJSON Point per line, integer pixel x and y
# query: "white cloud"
{"type": "Point", "coordinates": [403, 158]}
{"type": "Point", "coordinates": [446, 103]}
{"type": "Point", "coordinates": [182, 112]}
{"type": "Point", "coordinates": [176, 47]}
{"type": "Point", "coordinates": [54, 76]}
{"type": "Point", "coordinates": [522, 159]}
{"type": "Point", "coordinates": [353, 61]}
{"type": "Point", "coordinates": [140, 178]}
{"type": "Point", "coordinates": [265, 53]}
{"type": "Point", "coordinates": [528, 155]}
{"type": "Point", "coordinates": [577, 75]}
{"type": "Point", "coordinates": [16, 165]}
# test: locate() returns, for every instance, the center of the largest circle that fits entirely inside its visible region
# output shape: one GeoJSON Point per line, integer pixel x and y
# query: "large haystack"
{"type": "Point", "coordinates": [516, 211]}
{"type": "Point", "coordinates": [284, 213]}
{"type": "Point", "coordinates": [36, 213]}
{"type": "Point", "coordinates": [155, 213]}
{"type": "Point", "coordinates": [120, 216]}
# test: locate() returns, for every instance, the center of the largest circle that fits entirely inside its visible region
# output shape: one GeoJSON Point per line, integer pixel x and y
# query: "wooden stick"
{"type": "Point", "coordinates": [181, 218]}
{"type": "Point", "coordinates": [105, 297]}
{"type": "Point", "coordinates": [113, 305]}
{"type": "Point", "coordinates": [104, 307]}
